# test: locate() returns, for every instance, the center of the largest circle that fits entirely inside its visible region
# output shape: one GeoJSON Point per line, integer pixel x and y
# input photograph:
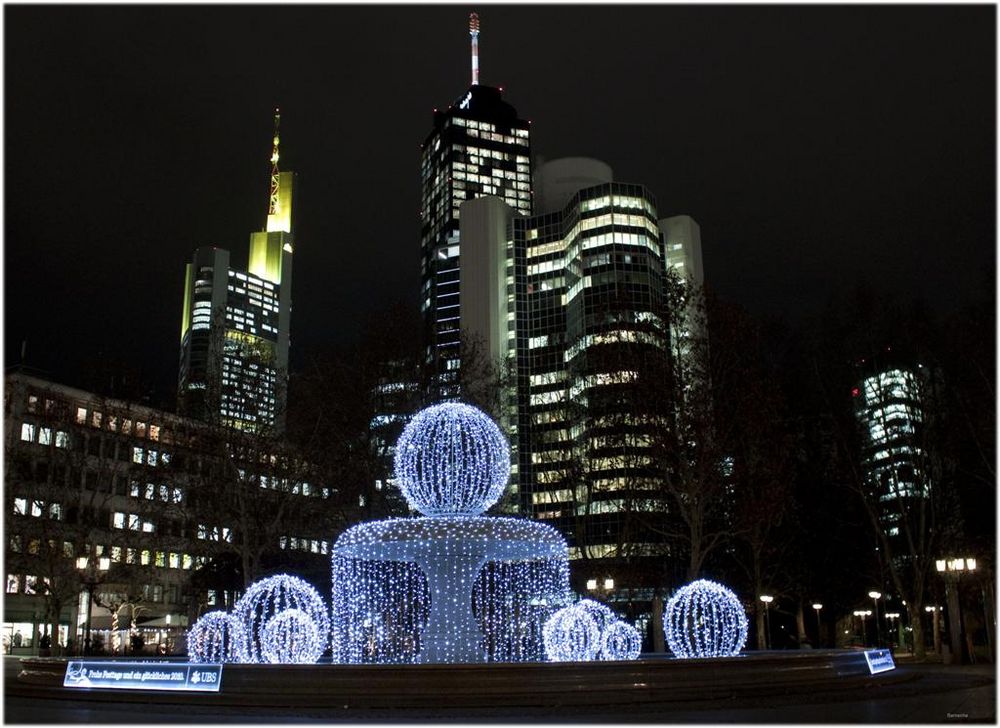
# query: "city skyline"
{"type": "Point", "coordinates": [814, 146]}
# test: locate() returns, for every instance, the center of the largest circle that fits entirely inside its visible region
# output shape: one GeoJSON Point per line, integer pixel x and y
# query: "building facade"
{"type": "Point", "coordinates": [573, 301]}
{"type": "Point", "coordinates": [121, 518]}
{"type": "Point", "coordinates": [235, 324]}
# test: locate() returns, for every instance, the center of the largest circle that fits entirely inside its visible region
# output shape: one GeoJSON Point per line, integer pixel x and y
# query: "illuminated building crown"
{"type": "Point", "coordinates": [452, 460]}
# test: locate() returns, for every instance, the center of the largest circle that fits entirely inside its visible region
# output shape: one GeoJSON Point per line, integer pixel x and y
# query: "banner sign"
{"type": "Point", "coordinates": [181, 676]}
{"type": "Point", "coordinates": [879, 661]}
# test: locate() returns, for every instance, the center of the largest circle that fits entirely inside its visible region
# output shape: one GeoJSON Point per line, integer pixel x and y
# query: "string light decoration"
{"type": "Point", "coordinates": [265, 600]}
{"type": "Point", "coordinates": [451, 586]}
{"type": "Point", "coordinates": [469, 589]}
{"type": "Point", "coordinates": [209, 639]}
{"type": "Point", "coordinates": [452, 460]}
{"type": "Point", "coordinates": [571, 635]}
{"type": "Point", "coordinates": [291, 637]}
{"type": "Point", "coordinates": [705, 619]}
{"type": "Point", "coordinates": [620, 641]}
{"type": "Point", "coordinates": [568, 638]}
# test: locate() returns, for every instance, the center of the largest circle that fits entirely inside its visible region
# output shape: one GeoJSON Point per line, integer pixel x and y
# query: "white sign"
{"type": "Point", "coordinates": [180, 676]}
{"type": "Point", "coordinates": [879, 661]}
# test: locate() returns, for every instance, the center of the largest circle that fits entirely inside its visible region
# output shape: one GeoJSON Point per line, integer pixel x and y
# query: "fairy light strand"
{"type": "Point", "coordinates": [209, 639]}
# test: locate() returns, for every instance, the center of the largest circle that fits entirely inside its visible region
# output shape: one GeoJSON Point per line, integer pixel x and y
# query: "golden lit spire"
{"type": "Point", "coordinates": [274, 204]}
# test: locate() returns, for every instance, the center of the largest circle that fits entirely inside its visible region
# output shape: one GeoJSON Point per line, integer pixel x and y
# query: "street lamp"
{"type": "Point", "coordinates": [89, 574]}
{"type": "Point", "coordinates": [936, 626]}
{"type": "Point", "coordinates": [819, 626]}
{"type": "Point", "coordinates": [952, 569]}
{"type": "Point", "coordinates": [607, 586]}
{"type": "Point", "coordinates": [767, 628]}
{"type": "Point", "coordinates": [878, 630]}
{"type": "Point", "coordinates": [864, 631]}
{"type": "Point", "coordinates": [892, 617]}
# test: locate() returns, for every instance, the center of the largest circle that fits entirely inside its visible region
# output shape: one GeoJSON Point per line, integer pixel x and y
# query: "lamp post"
{"type": "Point", "coordinates": [936, 627]}
{"type": "Point", "coordinates": [819, 625]}
{"type": "Point", "coordinates": [892, 617]}
{"type": "Point", "coordinates": [864, 630]}
{"type": "Point", "coordinates": [878, 630]}
{"type": "Point", "coordinates": [952, 569]}
{"type": "Point", "coordinates": [767, 627]}
{"type": "Point", "coordinates": [90, 575]}
{"type": "Point", "coordinates": [604, 588]}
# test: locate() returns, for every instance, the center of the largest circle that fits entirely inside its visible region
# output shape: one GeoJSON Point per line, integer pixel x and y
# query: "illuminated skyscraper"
{"type": "Point", "coordinates": [891, 410]}
{"type": "Point", "coordinates": [572, 300]}
{"type": "Point", "coordinates": [235, 324]}
{"type": "Point", "coordinates": [478, 147]}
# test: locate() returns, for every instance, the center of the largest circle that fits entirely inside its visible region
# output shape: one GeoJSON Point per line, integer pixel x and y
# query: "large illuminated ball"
{"type": "Point", "coordinates": [270, 598]}
{"type": "Point", "coordinates": [705, 619]}
{"type": "Point", "coordinates": [602, 615]}
{"type": "Point", "coordinates": [620, 641]}
{"type": "Point", "coordinates": [209, 639]}
{"type": "Point", "coordinates": [571, 635]}
{"type": "Point", "coordinates": [290, 637]}
{"type": "Point", "coordinates": [452, 460]}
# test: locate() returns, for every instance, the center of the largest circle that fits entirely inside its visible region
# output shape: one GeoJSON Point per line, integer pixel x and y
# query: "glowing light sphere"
{"type": "Point", "coordinates": [602, 615]}
{"type": "Point", "coordinates": [265, 600]}
{"type": "Point", "coordinates": [571, 635]}
{"type": "Point", "coordinates": [291, 637]}
{"type": "Point", "coordinates": [452, 460]}
{"type": "Point", "coordinates": [620, 641]}
{"type": "Point", "coordinates": [705, 619]}
{"type": "Point", "coordinates": [210, 638]}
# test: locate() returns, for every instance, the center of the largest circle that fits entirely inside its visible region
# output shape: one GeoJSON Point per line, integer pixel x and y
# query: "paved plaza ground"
{"type": "Point", "coordinates": [931, 693]}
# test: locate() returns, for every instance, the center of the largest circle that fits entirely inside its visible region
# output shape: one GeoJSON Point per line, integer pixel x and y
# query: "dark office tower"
{"type": "Point", "coordinates": [478, 147]}
{"type": "Point", "coordinates": [235, 324]}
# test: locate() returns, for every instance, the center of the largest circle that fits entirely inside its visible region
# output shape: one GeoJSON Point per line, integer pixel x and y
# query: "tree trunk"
{"type": "Point", "coordinates": [761, 628]}
{"type": "Point", "coordinates": [800, 622]}
{"type": "Point", "coordinates": [919, 648]}
{"type": "Point", "coordinates": [659, 644]}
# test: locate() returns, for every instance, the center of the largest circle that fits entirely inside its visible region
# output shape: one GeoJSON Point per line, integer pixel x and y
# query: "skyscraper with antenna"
{"type": "Point", "coordinates": [478, 146]}
{"type": "Point", "coordinates": [235, 324]}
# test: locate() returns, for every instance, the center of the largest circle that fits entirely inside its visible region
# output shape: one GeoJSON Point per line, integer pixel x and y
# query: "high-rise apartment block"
{"type": "Point", "coordinates": [478, 146]}
{"type": "Point", "coordinates": [235, 324]}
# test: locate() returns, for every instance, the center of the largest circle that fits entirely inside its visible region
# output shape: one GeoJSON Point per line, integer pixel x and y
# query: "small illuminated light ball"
{"type": "Point", "coordinates": [452, 460]}
{"type": "Point", "coordinates": [600, 613]}
{"type": "Point", "coordinates": [290, 637]}
{"type": "Point", "coordinates": [705, 619]}
{"type": "Point", "coordinates": [571, 635]}
{"type": "Point", "coordinates": [620, 641]}
{"type": "Point", "coordinates": [208, 640]}
{"type": "Point", "coordinates": [265, 600]}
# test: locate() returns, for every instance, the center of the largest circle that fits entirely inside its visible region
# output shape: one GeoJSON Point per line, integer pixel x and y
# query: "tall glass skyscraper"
{"type": "Point", "coordinates": [235, 323]}
{"type": "Point", "coordinates": [478, 146]}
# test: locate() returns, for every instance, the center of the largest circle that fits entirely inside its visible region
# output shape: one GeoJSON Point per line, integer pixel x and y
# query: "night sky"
{"type": "Point", "coordinates": [816, 147]}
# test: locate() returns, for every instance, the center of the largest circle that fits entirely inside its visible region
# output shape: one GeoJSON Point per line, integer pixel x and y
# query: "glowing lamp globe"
{"type": "Point", "coordinates": [705, 619]}
{"type": "Point", "coordinates": [452, 460]}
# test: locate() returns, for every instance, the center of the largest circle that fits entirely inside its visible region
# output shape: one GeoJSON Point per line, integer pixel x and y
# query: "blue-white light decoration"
{"type": "Point", "coordinates": [495, 582]}
{"type": "Point", "coordinates": [269, 599]}
{"type": "Point", "coordinates": [291, 637]}
{"type": "Point", "coordinates": [453, 586]}
{"type": "Point", "coordinates": [568, 636]}
{"type": "Point", "coordinates": [705, 619]}
{"type": "Point", "coordinates": [210, 638]}
{"type": "Point", "coordinates": [620, 641]}
{"type": "Point", "coordinates": [452, 460]}
{"type": "Point", "coordinates": [571, 635]}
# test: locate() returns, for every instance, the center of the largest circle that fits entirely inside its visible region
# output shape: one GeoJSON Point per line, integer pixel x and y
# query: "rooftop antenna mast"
{"type": "Point", "coordinates": [474, 32]}
{"type": "Point", "coordinates": [273, 203]}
